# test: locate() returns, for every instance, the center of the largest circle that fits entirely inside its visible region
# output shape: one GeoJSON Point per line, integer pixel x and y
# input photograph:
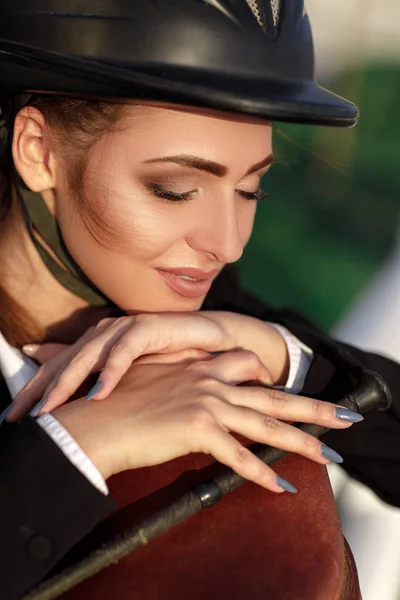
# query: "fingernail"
{"type": "Point", "coordinates": [344, 414]}
{"type": "Point", "coordinates": [285, 485]}
{"type": "Point", "coordinates": [5, 412]}
{"type": "Point", "coordinates": [331, 454]}
{"type": "Point", "coordinates": [30, 349]}
{"type": "Point", "coordinates": [35, 410]}
{"type": "Point", "coordinates": [95, 389]}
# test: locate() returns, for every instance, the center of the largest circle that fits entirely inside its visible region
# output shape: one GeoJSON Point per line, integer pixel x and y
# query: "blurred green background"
{"type": "Point", "coordinates": [334, 206]}
{"type": "Point", "coordinates": [333, 221]}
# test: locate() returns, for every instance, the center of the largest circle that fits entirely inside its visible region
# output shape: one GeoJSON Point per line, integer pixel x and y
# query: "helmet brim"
{"type": "Point", "coordinates": [24, 68]}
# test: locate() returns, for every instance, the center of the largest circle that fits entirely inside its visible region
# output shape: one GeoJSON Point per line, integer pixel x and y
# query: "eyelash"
{"type": "Point", "coordinates": [258, 196]}
{"type": "Point", "coordinates": [161, 192]}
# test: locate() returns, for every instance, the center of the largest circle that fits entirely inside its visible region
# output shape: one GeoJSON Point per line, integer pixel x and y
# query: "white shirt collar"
{"type": "Point", "coordinates": [16, 368]}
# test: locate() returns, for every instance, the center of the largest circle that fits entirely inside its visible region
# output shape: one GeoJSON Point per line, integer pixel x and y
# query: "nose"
{"type": "Point", "coordinates": [217, 232]}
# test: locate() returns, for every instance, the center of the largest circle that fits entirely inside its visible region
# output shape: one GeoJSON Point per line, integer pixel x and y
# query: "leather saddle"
{"type": "Point", "coordinates": [252, 545]}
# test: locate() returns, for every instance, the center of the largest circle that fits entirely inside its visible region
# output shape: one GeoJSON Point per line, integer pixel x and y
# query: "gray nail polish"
{"type": "Point", "coordinates": [37, 407]}
{"type": "Point", "coordinates": [285, 485]}
{"type": "Point", "coordinates": [344, 414]}
{"type": "Point", "coordinates": [95, 389]}
{"type": "Point", "coordinates": [5, 412]}
{"type": "Point", "coordinates": [330, 454]}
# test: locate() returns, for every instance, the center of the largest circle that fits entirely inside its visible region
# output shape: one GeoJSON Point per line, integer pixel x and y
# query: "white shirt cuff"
{"type": "Point", "coordinates": [72, 451]}
{"type": "Point", "coordinates": [300, 358]}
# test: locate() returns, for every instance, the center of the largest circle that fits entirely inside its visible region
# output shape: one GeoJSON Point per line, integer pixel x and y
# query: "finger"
{"type": "Point", "coordinates": [267, 430]}
{"type": "Point", "coordinates": [227, 450]}
{"type": "Point", "coordinates": [34, 389]}
{"type": "Point", "coordinates": [49, 372]}
{"type": "Point", "coordinates": [236, 367]}
{"type": "Point", "coordinates": [173, 357]}
{"type": "Point", "coordinates": [158, 334]}
{"type": "Point", "coordinates": [287, 407]}
{"type": "Point", "coordinates": [89, 358]}
{"type": "Point", "coordinates": [43, 352]}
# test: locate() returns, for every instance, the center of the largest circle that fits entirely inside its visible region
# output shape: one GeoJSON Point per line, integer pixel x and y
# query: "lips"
{"type": "Point", "coordinates": [188, 281]}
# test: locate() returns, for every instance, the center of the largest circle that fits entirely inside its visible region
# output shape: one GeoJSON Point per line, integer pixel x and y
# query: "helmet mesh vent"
{"type": "Point", "coordinates": [275, 7]}
{"type": "Point", "coordinates": [276, 11]}
{"type": "Point", "coordinates": [256, 11]}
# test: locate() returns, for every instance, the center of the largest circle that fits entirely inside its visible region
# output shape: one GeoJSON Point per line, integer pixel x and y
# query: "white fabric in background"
{"type": "Point", "coordinates": [372, 527]}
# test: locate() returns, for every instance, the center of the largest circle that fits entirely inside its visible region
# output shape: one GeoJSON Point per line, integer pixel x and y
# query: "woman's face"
{"type": "Point", "coordinates": [176, 193]}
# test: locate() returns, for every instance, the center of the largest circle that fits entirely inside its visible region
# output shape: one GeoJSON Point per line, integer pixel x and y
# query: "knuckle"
{"type": "Point", "coordinates": [199, 367]}
{"type": "Point", "coordinates": [104, 323]}
{"type": "Point", "coordinates": [279, 400]}
{"type": "Point", "coordinates": [122, 346]}
{"type": "Point", "coordinates": [310, 445]}
{"type": "Point", "coordinates": [200, 419]}
{"type": "Point", "coordinates": [254, 364]}
{"type": "Point", "coordinates": [211, 402]}
{"type": "Point", "coordinates": [271, 426]}
{"type": "Point", "coordinates": [251, 357]}
{"type": "Point", "coordinates": [145, 318]}
{"type": "Point", "coordinates": [192, 353]}
{"type": "Point", "coordinates": [209, 384]}
{"type": "Point", "coordinates": [90, 331]}
{"type": "Point", "coordinates": [318, 410]}
{"type": "Point", "coordinates": [263, 473]}
{"type": "Point", "coordinates": [241, 456]}
{"type": "Point", "coordinates": [126, 320]}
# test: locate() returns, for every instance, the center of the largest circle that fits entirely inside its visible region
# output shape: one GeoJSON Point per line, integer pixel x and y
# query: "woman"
{"type": "Point", "coordinates": [137, 138]}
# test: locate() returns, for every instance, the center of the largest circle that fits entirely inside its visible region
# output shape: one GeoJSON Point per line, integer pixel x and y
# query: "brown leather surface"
{"type": "Point", "coordinates": [351, 588]}
{"type": "Point", "coordinates": [252, 545]}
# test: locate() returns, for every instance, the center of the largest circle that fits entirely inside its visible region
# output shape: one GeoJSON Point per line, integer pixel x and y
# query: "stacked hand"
{"type": "Point", "coordinates": [157, 412]}
{"type": "Point", "coordinates": [114, 344]}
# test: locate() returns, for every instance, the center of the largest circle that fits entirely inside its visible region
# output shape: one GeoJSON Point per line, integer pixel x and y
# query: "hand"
{"type": "Point", "coordinates": [160, 412]}
{"type": "Point", "coordinates": [113, 344]}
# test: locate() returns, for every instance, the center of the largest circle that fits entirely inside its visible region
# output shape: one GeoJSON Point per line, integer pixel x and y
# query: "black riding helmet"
{"type": "Point", "coordinates": [251, 57]}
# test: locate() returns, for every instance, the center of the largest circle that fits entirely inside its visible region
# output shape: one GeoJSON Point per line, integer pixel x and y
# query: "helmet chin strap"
{"type": "Point", "coordinates": [42, 227]}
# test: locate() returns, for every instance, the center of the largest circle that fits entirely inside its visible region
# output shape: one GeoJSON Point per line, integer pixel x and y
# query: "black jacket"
{"type": "Point", "coordinates": [47, 505]}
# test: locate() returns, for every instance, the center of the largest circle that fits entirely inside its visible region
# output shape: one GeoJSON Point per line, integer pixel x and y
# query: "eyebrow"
{"type": "Point", "coordinates": [195, 162]}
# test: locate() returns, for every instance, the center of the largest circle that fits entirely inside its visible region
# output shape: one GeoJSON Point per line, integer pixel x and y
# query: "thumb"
{"type": "Point", "coordinates": [43, 352]}
{"type": "Point", "coordinates": [190, 354]}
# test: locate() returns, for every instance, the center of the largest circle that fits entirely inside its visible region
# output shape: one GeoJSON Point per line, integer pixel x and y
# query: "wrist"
{"type": "Point", "coordinates": [79, 419]}
{"type": "Point", "coordinates": [261, 338]}
{"type": "Point", "coordinates": [272, 350]}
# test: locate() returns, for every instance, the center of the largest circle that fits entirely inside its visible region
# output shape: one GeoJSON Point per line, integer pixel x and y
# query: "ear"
{"type": "Point", "coordinates": [31, 149]}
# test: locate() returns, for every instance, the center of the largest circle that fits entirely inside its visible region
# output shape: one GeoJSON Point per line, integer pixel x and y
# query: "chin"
{"type": "Point", "coordinates": [163, 305]}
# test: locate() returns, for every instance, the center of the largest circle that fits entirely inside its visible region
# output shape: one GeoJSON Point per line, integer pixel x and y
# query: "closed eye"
{"type": "Point", "coordinates": [161, 192]}
{"type": "Point", "coordinates": [259, 195]}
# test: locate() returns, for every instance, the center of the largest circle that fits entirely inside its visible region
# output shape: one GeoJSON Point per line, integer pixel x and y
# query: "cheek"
{"type": "Point", "coordinates": [144, 231]}
{"type": "Point", "coordinates": [126, 223]}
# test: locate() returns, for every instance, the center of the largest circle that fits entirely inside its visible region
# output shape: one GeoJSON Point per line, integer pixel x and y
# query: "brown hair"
{"type": "Point", "coordinates": [75, 126]}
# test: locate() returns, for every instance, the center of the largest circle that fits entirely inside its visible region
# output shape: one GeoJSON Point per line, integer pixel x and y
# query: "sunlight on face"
{"type": "Point", "coordinates": [176, 193]}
